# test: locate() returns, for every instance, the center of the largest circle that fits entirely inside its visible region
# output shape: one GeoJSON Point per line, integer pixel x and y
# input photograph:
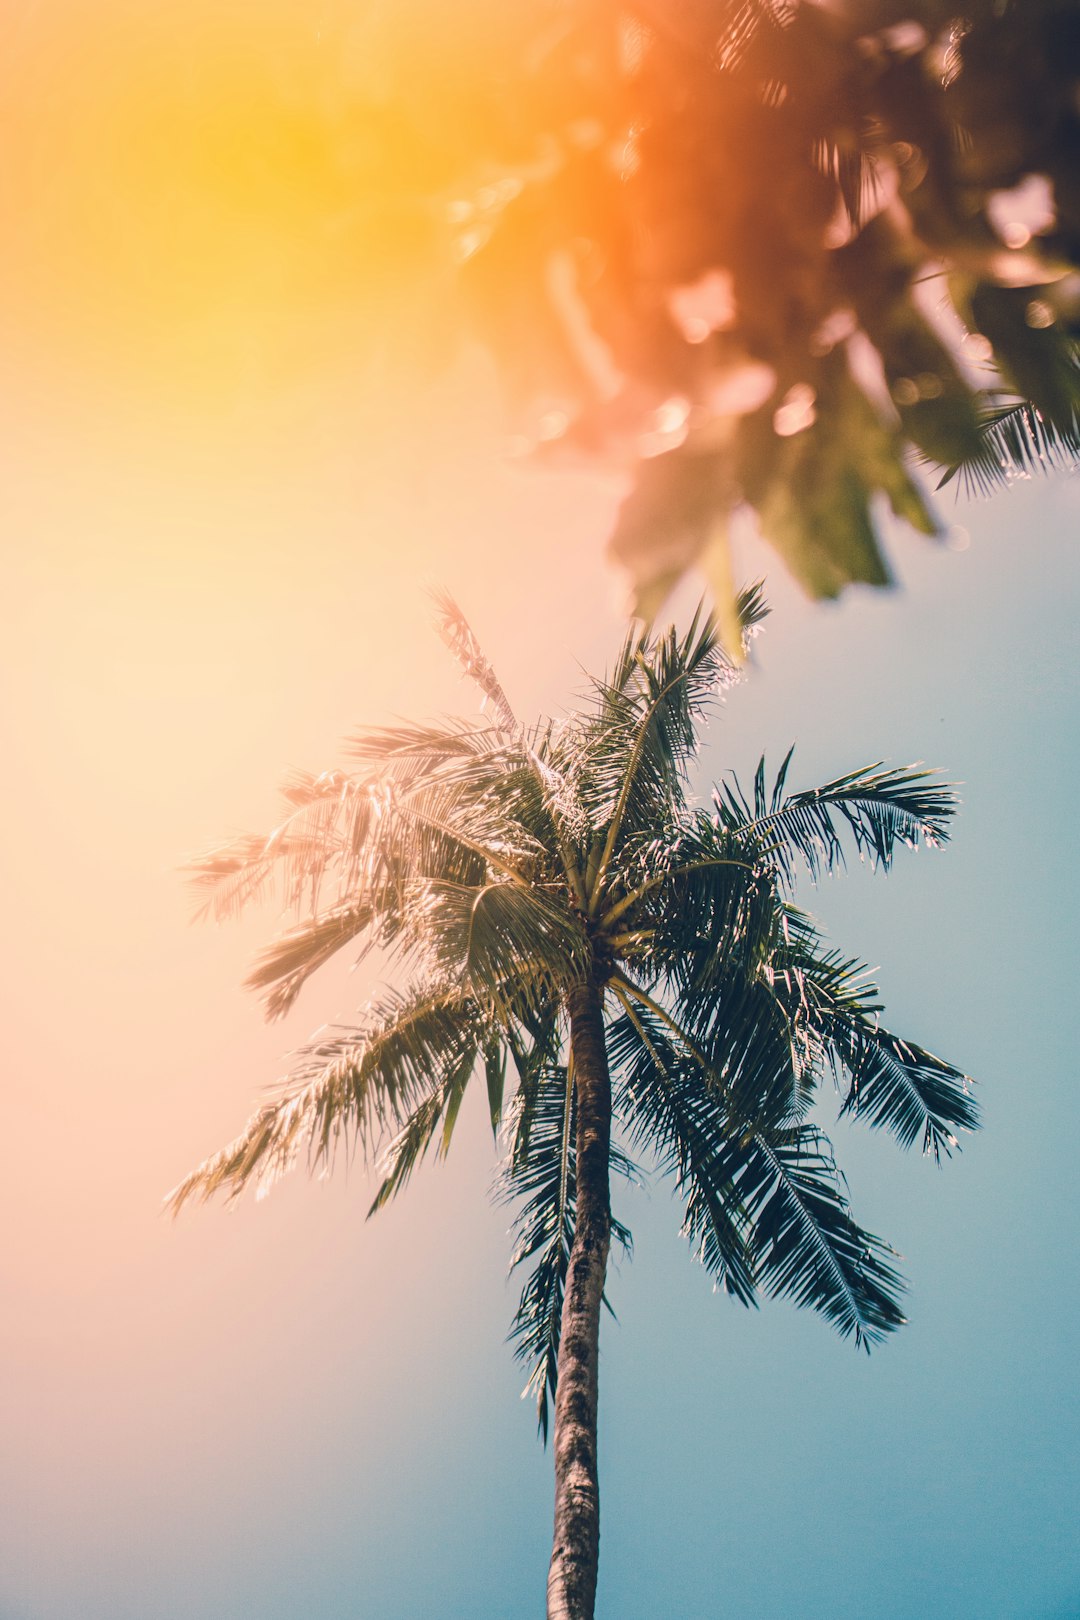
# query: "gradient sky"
{"type": "Point", "coordinates": [217, 525]}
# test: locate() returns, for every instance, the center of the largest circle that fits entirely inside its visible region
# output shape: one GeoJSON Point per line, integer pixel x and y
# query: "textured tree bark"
{"type": "Point", "coordinates": [576, 1546]}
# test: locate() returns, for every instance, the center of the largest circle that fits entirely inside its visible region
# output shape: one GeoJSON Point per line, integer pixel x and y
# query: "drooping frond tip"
{"type": "Point", "coordinates": [878, 808]}
{"type": "Point", "coordinates": [457, 633]}
{"type": "Point", "coordinates": [751, 607]}
{"type": "Point", "coordinates": [732, 622]}
{"type": "Point", "coordinates": [349, 1087]}
{"type": "Point", "coordinates": [766, 1207]}
{"type": "Point", "coordinates": [1014, 441]}
{"type": "Point", "coordinates": [735, 621]}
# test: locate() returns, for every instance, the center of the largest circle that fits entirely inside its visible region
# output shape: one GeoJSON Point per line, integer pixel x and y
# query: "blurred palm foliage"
{"type": "Point", "coordinates": [754, 254]}
{"type": "Point", "coordinates": [764, 254]}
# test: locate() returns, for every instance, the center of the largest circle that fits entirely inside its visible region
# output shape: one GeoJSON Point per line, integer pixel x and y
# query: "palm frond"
{"type": "Point", "coordinates": [877, 807]}
{"type": "Point", "coordinates": [1015, 440]}
{"type": "Point", "coordinates": [764, 1059]}
{"type": "Point", "coordinates": [495, 1054]}
{"type": "Point", "coordinates": [770, 1008]}
{"type": "Point", "coordinates": [711, 892]}
{"type": "Point", "coordinates": [458, 635]}
{"type": "Point", "coordinates": [765, 1206]}
{"type": "Point", "coordinates": [682, 870]}
{"type": "Point", "coordinates": [725, 1012]}
{"type": "Point", "coordinates": [892, 1083]}
{"type": "Point", "coordinates": [534, 1041]}
{"type": "Point", "coordinates": [430, 831]}
{"type": "Point", "coordinates": [763, 1193]}
{"type": "Point", "coordinates": [906, 1090]}
{"type": "Point", "coordinates": [412, 1142]}
{"type": "Point", "coordinates": [501, 939]}
{"type": "Point", "coordinates": [285, 966]}
{"type": "Point", "coordinates": [478, 763]}
{"type": "Point", "coordinates": [518, 774]}
{"type": "Point", "coordinates": [294, 857]}
{"type": "Point", "coordinates": [807, 1245]}
{"type": "Point", "coordinates": [636, 753]}
{"type": "Point", "coordinates": [544, 1177]}
{"type": "Point", "coordinates": [668, 1111]}
{"type": "Point", "coordinates": [352, 1084]}
{"type": "Point", "coordinates": [712, 928]}
{"type": "Point", "coordinates": [436, 745]}
{"type": "Point", "coordinates": [446, 805]}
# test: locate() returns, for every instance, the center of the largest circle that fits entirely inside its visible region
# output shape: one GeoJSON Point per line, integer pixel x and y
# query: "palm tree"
{"type": "Point", "coordinates": [568, 915]}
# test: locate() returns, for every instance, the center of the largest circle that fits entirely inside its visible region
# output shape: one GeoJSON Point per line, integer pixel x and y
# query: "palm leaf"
{"type": "Point", "coordinates": [764, 1058]}
{"type": "Point", "coordinates": [712, 928]}
{"type": "Point", "coordinates": [284, 967]}
{"type": "Point", "coordinates": [878, 808]}
{"type": "Point", "coordinates": [686, 868]}
{"type": "Point", "coordinates": [444, 806]}
{"type": "Point", "coordinates": [295, 857]}
{"type": "Point", "coordinates": [711, 893]}
{"type": "Point", "coordinates": [890, 1082]}
{"type": "Point", "coordinates": [412, 1142]}
{"type": "Point", "coordinates": [504, 766]}
{"type": "Point", "coordinates": [906, 1090]}
{"type": "Point", "coordinates": [670, 1112]}
{"type": "Point", "coordinates": [432, 831]}
{"type": "Point", "coordinates": [636, 753]}
{"type": "Point", "coordinates": [458, 636]}
{"type": "Point", "coordinates": [714, 933]}
{"type": "Point", "coordinates": [807, 1246]}
{"type": "Point", "coordinates": [439, 745]}
{"type": "Point", "coordinates": [765, 1207]}
{"type": "Point", "coordinates": [543, 1177]}
{"type": "Point", "coordinates": [769, 1008]}
{"type": "Point", "coordinates": [478, 764]}
{"type": "Point", "coordinates": [351, 1084]}
{"type": "Point", "coordinates": [1015, 440]}
{"type": "Point", "coordinates": [501, 939]}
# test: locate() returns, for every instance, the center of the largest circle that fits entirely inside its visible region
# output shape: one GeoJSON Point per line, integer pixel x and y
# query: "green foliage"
{"type": "Point", "coordinates": [501, 866]}
{"type": "Point", "coordinates": [764, 255]}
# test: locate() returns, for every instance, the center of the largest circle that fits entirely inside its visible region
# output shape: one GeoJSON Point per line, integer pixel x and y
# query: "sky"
{"type": "Point", "coordinates": [218, 521]}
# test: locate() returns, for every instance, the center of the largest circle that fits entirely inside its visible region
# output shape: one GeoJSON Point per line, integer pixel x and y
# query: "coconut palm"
{"type": "Point", "coordinates": [563, 913]}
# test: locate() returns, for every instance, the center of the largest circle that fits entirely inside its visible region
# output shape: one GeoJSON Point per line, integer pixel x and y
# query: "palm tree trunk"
{"type": "Point", "coordinates": [576, 1546]}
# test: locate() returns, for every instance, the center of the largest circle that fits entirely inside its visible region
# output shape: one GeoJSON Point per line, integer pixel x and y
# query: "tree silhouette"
{"type": "Point", "coordinates": [562, 913]}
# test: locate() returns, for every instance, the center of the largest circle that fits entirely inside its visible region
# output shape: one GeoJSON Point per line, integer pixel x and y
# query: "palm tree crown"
{"type": "Point", "coordinates": [520, 877]}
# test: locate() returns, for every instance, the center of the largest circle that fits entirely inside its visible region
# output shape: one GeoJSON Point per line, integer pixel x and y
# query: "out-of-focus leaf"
{"type": "Point", "coordinates": [1037, 358]}
{"type": "Point", "coordinates": [1015, 441]}
{"type": "Point", "coordinates": [812, 489]}
{"type": "Point", "coordinates": [767, 181]}
{"type": "Point", "coordinates": [664, 526]}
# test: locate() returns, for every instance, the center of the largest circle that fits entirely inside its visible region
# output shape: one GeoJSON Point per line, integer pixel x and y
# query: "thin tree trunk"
{"type": "Point", "coordinates": [576, 1546]}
